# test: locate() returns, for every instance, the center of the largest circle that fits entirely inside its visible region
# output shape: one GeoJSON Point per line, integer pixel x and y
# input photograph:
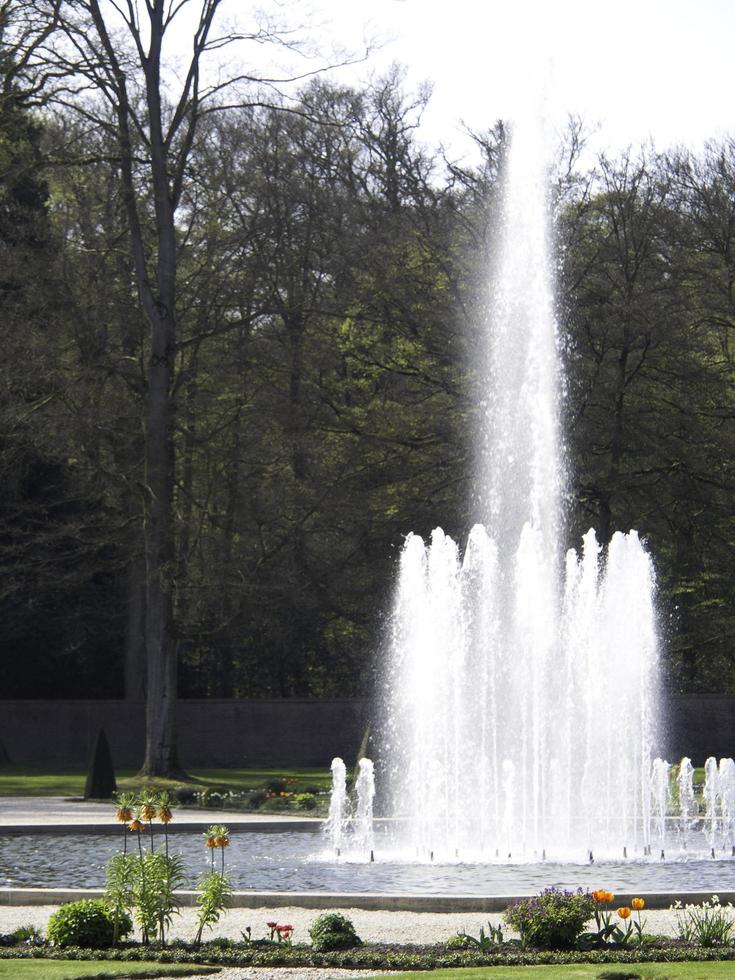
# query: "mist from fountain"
{"type": "Point", "coordinates": [522, 686]}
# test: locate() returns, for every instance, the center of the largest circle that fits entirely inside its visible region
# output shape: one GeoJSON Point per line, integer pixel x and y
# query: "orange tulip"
{"type": "Point", "coordinates": [638, 904]}
{"type": "Point", "coordinates": [602, 897]}
{"type": "Point", "coordinates": [624, 912]}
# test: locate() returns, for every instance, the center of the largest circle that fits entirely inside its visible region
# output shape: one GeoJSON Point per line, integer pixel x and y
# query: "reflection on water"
{"type": "Point", "coordinates": [288, 862]}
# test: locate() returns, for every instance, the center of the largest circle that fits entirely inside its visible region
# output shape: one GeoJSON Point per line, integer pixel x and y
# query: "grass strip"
{"type": "Point", "coordinates": [44, 969]}
{"type": "Point", "coordinates": [644, 971]}
{"type": "Point", "coordinates": [27, 781]}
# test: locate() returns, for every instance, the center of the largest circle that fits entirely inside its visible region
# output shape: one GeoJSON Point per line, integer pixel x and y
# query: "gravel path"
{"type": "Point", "coordinates": [371, 926]}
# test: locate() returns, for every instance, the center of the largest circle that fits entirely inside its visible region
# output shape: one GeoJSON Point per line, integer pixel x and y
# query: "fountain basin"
{"type": "Point", "coordinates": [291, 864]}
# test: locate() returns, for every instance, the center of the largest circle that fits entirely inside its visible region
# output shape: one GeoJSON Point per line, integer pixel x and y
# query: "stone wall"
{"type": "Point", "coordinates": [212, 733]}
{"type": "Point", "coordinates": [292, 732]}
{"type": "Point", "coordinates": [699, 726]}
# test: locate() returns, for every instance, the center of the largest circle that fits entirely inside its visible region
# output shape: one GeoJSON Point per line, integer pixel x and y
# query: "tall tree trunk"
{"type": "Point", "coordinates": [160, 753]}
{"type": "Point", "coordinates": [135, 660]}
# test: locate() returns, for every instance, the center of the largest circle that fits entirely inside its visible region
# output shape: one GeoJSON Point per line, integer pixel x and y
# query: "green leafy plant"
{"type": "Point", "coordinates": [214, 895]}
{"type": "Point", "coordinates": [143, 883]}
{"type": "Point", "coordinates": [30, 935]}
{"type": "Point", "coordinates": [120, 890]}
{"type": "Point", "coordinates": [551, 920]}
{"type": "Point", "coordinates": [165, 876]}
{"type": "Point", "coordinates": [333, 931]}
{"type": "Point", "coordinates": [709, 924]}
{"type": "Point", "coordinates": [304, 801]}
{"type": "Point", "coordinates": [86, 923]}
{"type": "Point", "coordinates": [214, 887]}
{"type": "Point", "coordinates": [486, 940]}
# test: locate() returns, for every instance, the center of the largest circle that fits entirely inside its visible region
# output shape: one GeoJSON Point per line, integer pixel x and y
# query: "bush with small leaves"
{"type": "Point", "coordinates": [551, 920]}
{"type": "Point", "coordinates": [333, 931]}
{"type": "Point", "coordinates": [88, 923]}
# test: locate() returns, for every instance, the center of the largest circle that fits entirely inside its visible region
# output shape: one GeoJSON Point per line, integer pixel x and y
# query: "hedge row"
{"type": "Point", "coordinates": [373, 956]}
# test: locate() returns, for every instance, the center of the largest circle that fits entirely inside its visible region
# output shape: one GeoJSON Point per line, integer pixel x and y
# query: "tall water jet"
{"type": "Point", "coordinates": [726, 783]}
{"type": "Point", "coordinates": [711, 793]}
{"type": "Point", "coordinates": [661, 793]}
{"type": "Point", "coordinates": [522, 688]}
{"type": "Point", "coordinates": [365, 789]}
{"type": "Point", "coordinates": [687, 802]}
{"type": "Point", "coordinates": [334, 826]}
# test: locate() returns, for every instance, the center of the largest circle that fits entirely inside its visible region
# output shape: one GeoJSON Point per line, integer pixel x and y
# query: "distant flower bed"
{"type": "Point", "coordinates": [275, 796]}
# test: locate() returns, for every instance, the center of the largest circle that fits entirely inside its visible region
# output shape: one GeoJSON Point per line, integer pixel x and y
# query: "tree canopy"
{"type": "Point", "coordinates": [238, 368]}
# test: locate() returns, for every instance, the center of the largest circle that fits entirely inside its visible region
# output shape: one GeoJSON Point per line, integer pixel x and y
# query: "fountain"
{"type": "Point", "coordinates": [335, 824]}
{"type": "Point", "coordinates": [522, 686]}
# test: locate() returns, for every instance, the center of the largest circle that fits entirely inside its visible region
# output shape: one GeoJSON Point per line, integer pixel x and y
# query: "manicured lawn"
{"type": "Point", "coordinates": [586, 971]}
{"type": "Point", "coordinates": [70, 970]}
{"type": "Point", "coordinates": [23, 781]}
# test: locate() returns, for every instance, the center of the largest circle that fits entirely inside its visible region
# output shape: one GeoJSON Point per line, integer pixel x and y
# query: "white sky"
{"type": "Point", "coordinates": [662, 70]}
{"type": "Point", "coordinates": [658, 69]}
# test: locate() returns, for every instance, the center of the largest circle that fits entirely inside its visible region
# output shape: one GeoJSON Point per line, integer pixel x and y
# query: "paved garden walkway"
{"type": "Point", "coordinates": [59, 813]}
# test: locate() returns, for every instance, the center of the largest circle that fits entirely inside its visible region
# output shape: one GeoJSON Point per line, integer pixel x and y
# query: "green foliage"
{"type": "Point", "coordinates": [120, 889]}
{"type": "Point", "coordinates": [225, 953]}
{"type": "Point", "coordinates": [485, 940]}
{"type": "Point", "coordinates": [155, 878]}
{"type": "Point", "coordinates": [551, 920]}
{"type": "Point", "coordinates": [325, 383]}
{"type": "Point", "coordinates": [29, 934]}
{"type": "Point", "coordinates": [86, 923]}
{"type": "Point", "coordinates": [214, 895]}
{"type": "Point", "coordinates": [709, 924]}
{"type": "Point", "coordinates": [333, 931]}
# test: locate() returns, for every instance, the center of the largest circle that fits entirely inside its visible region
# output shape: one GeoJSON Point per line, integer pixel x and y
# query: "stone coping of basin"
{"type": "Point", "coordinates": [368, 901]}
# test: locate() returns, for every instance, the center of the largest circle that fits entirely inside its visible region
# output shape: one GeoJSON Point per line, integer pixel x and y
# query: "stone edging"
{"type": "Point", "coordinates": [351, 900]}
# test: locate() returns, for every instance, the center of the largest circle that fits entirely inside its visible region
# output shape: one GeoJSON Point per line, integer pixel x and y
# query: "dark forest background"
{"type": "Point", "coordinates": [332, 277]}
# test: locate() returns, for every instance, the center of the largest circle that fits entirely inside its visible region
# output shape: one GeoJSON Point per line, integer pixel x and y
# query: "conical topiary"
{"type": "Point", "coordinates": [100, 783]}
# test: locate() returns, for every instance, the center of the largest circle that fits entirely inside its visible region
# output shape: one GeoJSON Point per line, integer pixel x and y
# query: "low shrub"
{"type": "Point", "coordinates": [88, 923]}
{"type": "Point", "coordinates": [333, 931]}
{"type": "Point", "coordinates": [551, 920]}
{"type": "Point", "coordinates": [29, 934]}
{"type": "Point", "coordinates": [304, 801]}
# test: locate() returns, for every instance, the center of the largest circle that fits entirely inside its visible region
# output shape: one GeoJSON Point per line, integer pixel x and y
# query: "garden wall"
{"type": "Point", "coordinates": [212, 733]}
{"type": "Point", "coordinates": [270, 733]}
